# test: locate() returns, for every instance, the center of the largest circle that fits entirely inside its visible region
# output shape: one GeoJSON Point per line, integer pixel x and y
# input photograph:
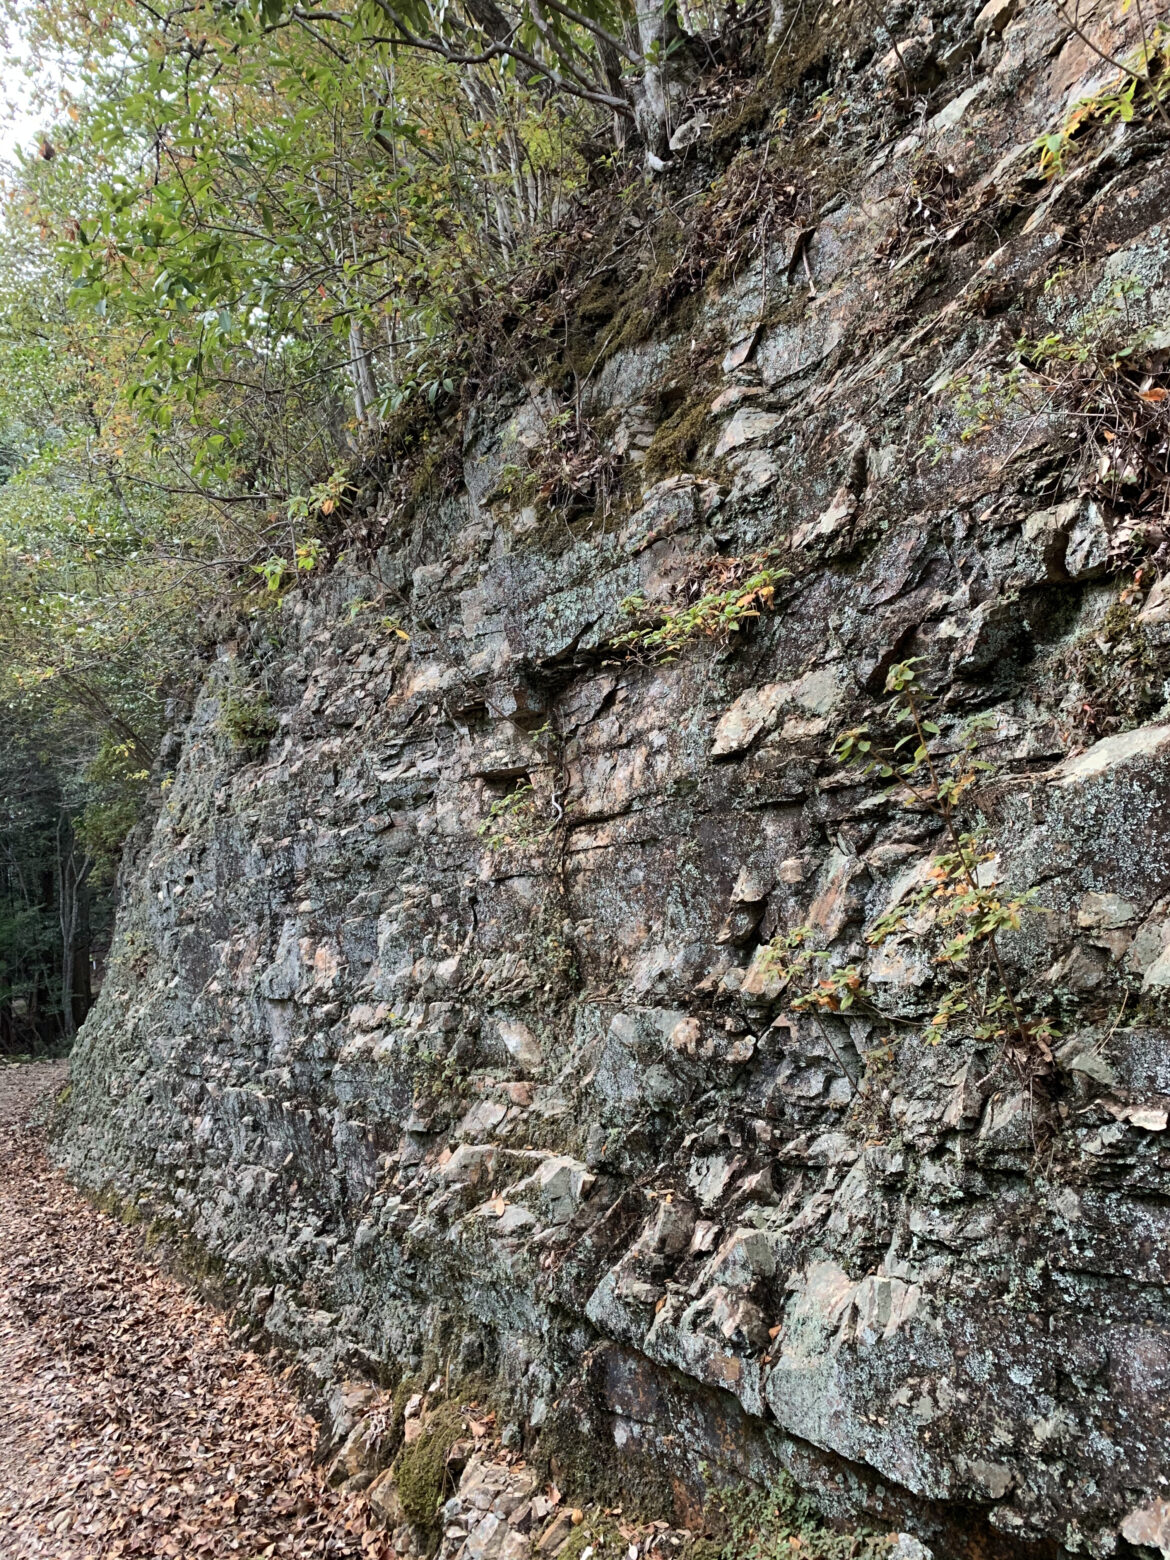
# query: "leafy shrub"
{"type": "Point", "coordinates": [248, 719]}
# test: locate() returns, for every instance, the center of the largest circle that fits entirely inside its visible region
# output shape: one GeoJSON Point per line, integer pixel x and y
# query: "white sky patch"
{"type": "Point", "coordinates": [30, 100]}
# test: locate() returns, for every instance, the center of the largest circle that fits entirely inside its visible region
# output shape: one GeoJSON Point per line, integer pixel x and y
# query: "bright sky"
{"type": "Point", "coordinates": [20, 117]}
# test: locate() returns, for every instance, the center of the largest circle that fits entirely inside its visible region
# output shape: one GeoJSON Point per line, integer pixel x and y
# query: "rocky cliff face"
{"type": "Point", "coordinates": [456, 1022]}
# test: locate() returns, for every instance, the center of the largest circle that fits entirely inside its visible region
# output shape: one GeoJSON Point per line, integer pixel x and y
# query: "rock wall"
{"type": "Point", "coordinates": [450, 1024]}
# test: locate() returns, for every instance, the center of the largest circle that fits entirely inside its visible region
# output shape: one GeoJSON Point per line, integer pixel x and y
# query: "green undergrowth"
{"type": "Point", "coordinates": [780, 1523]}
{"type": "Point", "coordinates": [248, 719]}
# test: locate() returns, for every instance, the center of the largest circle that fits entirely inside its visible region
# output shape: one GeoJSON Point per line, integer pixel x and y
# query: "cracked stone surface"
{"type": "Point", "coordinates": [436, 1094]}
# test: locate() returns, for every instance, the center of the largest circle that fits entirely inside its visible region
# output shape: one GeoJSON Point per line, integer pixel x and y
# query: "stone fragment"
{"type": "Point", "coordinates": [674, 1224]}
{"type": "Point", "coordinates": [745, 1257]}
{"type": "Point", "coordinates": [965, 1105]}
{"type": "Point", "coordinates": [741, 1322]}
{"type": "Point", "coordinates": [1008, 1121]}
{"type": "Point", "coordinates": [737, 355]}
{"type": "Point", "coordinates": [1087, 552]}
{"type": "Point", "coordinates": [747, 426]}
{"type": "Point", "coordinates": [1157, 975]}
{"type": "Point", "coordinates": [818, 692]}
{"type": "Point", "coordinates": [991, 1480]}
{"type": "Point", "coordinates": [1081, 969]}
{"type": "Point", "coordinates": [515, 1220]}
{"type": "Point", "coordinates": [710, 1176]}
{"type": "Point", "coordinates": [556, 1534]}
{"type": "Point", "coordinates": [1149, 1526]}
{"type": "Point", "coordinates": [883, 1304]}
{"type": "Point", "coordinates": [1157, 604]}
{"type": "Point", "coordinates": [1105, 911]}
{"type": "Point", "coordinates": [563, 1184]}
{"type": "Point", "coordinates": [994, 17]}
{"type": "Point", "coordinates": [362, 1450]}
{"type": "Point", "coordinates": [733, 396]}
{"type": "Point", "coordinates": [751, 887]}
{"type": "Point", "coordinates": [346, 1402]}
{"type": "Point", "coordinates": [1091, 1064]}
{"type": "Point", "coordinates": [751, 714]}
{"type": "Point", "coordinates": [741, 924]}
{"type": "Point", "coordinates": [382, 1496]}
{"type": "Point", "coordinates": [831, 907]}
{"type": "Point", "coordinates": [906, 1547]}
{"type": "Point", "coordinates": [1147, 1117]}
{"type": "Point", "coordinates": [482, 1119]}
{"type": "Point", "coordinates": [952, 114]}
{"type": "Point", "coordinates": [830, 522]}
{"type": "Point", "coordinates": [688, 132]}
{"type": "Point", "coordinates": [764, 979]}
{"type": "Point", "coordinates": [1109, 753]}
{"type": "Point", "coordinates": [471, 1164]}
{"type": "Point", "coordinates": [704, 1238]}
{"type": "Point", "coordinates": [521, 1044]}
{"type": "Point", "coordinates": [685, 1036]}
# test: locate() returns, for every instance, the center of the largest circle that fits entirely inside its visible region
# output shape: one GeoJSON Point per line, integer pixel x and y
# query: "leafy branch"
{"type": "Point", "coordinates": [663, 633]}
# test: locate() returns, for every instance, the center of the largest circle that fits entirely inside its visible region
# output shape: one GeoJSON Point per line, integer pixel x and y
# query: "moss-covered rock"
{"type": "Point", "coordinates": [420, 1473]}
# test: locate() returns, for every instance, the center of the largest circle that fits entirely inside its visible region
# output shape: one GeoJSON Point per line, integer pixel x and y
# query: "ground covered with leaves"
{"type": "Point", "coordinates": [131, 1423]}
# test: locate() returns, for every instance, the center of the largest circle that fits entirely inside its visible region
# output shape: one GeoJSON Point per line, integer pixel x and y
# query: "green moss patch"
{"type": "Point", "coordinates": [420, 1473]}
{"type": "Point", "coordinates": [779, 1523]}
{"type": "Point", "coordinates": [677, 441]}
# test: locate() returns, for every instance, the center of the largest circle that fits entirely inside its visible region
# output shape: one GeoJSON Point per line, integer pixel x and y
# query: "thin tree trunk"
{"type": "Point", "coordinates": [70, 885]}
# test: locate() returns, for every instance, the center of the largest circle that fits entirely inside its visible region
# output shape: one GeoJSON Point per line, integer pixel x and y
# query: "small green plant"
{"type": "Point", "coordinates": [960, 895]}
{"type": "Point", "coordinates": [1118, 100]}
{"type": "Point", "coordinates": [322, 499]}
{"type": "Point", "coordinates": [273, 571]}
{"type": "Point", "coordinates": [512, 819]}
{"type": "Point", "coordinates": [392, 625]}
{"type": "Point", "coordinates": [811, 983]}
{"type": "Point", "coordinates": [984, 404]}
{"type": "Point", "coordinates": [663, 633]}
{"type": "Point", "coordinates": [247, 719]}
{"type": "Point", "coordinates": [1103, 107]}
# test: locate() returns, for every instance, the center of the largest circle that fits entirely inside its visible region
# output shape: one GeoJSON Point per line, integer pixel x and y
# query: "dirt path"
{"type": "Point", "coordinates": [130, 1423]}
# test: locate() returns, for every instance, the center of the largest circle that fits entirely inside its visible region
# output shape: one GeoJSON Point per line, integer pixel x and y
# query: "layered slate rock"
{"type": "Point", "coordinates": [448, 1028]}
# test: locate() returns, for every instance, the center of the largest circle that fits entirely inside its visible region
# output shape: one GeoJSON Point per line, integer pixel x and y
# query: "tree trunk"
{"type": "Point", "coordinates": [657, 31]}
{"type": "Point", "coordinates": [70, 889]}
{"type": "Point", "coordinates": [365, 389]}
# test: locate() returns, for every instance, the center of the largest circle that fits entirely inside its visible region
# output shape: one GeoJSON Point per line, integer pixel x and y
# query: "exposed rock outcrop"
{"type": "Point", "coordinates": [448, 1026]}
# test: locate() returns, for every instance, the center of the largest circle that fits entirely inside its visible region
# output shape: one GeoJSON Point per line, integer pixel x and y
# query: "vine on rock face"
{"type": "Point", "coordinates": [663, 633]}
{"type": "Point", "coordinates": [960, 895]}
